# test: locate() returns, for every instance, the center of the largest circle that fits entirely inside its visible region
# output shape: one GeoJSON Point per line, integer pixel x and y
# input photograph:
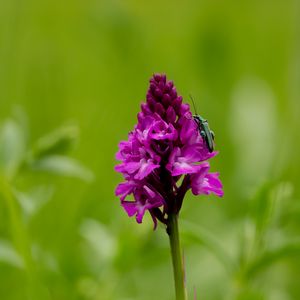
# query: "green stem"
{"type": "Point", "coordinates": [177, 260]}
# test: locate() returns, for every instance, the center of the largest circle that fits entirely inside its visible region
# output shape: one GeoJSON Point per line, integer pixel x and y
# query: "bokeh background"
{"type": "Point", "coordinates": [72, 76]}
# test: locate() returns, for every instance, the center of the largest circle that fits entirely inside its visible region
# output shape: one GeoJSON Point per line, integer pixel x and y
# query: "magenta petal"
{"type": "Point", "coordinates": [189, 131]}
{"type": "Point", "coordinates": [183, 167]}
{"type": "Point", "coordinates": [140, 214]}
{"type": "Point", "coordinates": [145, 199]}
{"type": "Point", "coordinates": [183, 161]}
{"type": "Point", "coordinates": [125, 188]}
{"type": "Point", "coordinates": [214, 184]}
{"type": "Point", "coordinates": [191, 153]}
{"type": "Point", "coordinates": [160, 130]}
{"type": "Point", "coordinates": [130, 208]}
{"type": "Point", "coordinates": [146, 167]}
{"type": "Point", "coordinates": [132, 167]}
{"type": "Point", "coordinates": [206, 183]}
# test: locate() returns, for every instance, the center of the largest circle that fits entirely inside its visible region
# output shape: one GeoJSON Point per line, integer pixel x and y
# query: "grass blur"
{"type": "Point", "coordinates": [68, 65]}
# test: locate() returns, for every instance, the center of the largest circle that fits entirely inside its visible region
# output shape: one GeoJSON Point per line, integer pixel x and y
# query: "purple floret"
{"type": "Point", "coordinates": [164, 149]}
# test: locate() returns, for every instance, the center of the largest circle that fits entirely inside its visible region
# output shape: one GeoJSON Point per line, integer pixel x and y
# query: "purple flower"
{"type": "Point", "coordinates": [203, 182]}
{"type": "Point", "coordinates": [164, 156]}
{"type": "Point", "coordinates": [145, 199]}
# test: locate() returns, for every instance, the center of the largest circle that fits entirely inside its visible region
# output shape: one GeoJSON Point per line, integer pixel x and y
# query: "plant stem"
{"type": "Point", "coordinates": [177, 260]}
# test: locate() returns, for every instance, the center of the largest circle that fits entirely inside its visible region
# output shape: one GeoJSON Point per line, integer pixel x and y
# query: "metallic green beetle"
{"type": "Point", "coordinates": [203, 127]}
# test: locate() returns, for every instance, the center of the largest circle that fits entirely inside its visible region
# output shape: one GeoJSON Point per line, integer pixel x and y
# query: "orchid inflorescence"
{"type": "Point", "coordinates": [164, 156]}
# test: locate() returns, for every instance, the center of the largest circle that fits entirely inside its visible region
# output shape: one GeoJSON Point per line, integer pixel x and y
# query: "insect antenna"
{"type": "Point", "coordinates": [193, 104]}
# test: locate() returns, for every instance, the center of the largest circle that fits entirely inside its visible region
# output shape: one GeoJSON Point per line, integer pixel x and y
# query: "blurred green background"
{"type": "Point", "coordinates": [69, 66]}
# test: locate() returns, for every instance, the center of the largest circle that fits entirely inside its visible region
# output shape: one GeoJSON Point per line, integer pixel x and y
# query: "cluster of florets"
{"type": "Point", "coordinates": [164, 156]}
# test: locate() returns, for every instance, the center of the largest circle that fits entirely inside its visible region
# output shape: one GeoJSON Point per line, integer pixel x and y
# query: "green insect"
{"type": "Point", "coordinates": [203, 127]}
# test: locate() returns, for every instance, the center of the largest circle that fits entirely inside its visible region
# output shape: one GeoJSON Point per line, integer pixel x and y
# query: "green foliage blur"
{"type": "Point", "coordinates": [72, 76]}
